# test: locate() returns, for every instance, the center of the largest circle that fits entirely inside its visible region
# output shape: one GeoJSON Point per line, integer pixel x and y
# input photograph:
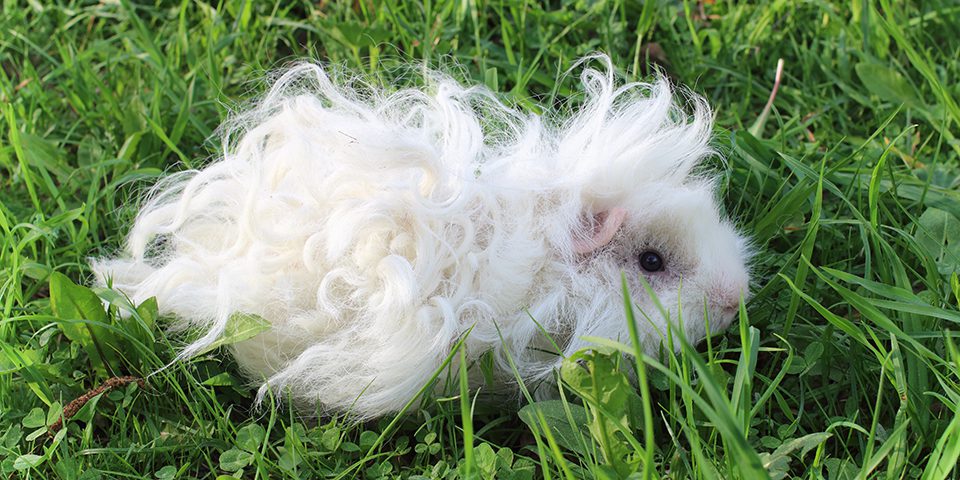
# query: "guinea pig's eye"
{"type": "Point", "coordinates": [651, 261]}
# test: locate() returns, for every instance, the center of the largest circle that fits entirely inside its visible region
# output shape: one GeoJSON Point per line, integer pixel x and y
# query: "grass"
{"type": "Point", "coordinates": [844, 364]}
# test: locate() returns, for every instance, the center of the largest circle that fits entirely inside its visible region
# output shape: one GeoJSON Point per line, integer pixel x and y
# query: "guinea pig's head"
{"type": "Point", "coordinates": [648, 212]}
{"type": "Point", "coordinates": [673, 238]}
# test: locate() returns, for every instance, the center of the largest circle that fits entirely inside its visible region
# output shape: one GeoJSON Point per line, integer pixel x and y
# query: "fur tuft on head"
{"type": "Point", "coordinates": [373, 228]}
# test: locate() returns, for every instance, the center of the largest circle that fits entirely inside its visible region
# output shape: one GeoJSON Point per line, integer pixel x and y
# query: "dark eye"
{"type": "Point", "coordinates": [651, 261]}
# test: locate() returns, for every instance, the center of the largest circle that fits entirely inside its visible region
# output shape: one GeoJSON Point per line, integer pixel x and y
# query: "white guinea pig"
{"type": "Point", "coordinates": [373, 229]}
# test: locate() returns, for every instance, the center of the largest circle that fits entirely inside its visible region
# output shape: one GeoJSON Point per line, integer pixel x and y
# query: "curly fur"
{"type": "Point", "coordinates": [372, 229]}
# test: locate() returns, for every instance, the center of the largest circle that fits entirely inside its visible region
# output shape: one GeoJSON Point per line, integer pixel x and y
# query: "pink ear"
{"type": "Point", "coordinates": [608, 223]}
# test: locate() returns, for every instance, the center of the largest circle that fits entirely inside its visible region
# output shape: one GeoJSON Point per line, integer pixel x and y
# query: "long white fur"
{"type": "Point", "coordinates": [372, 229]}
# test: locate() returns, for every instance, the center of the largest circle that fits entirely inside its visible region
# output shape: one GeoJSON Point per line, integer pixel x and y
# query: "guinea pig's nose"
{"type": "Point", "coordinates": [726, 296]}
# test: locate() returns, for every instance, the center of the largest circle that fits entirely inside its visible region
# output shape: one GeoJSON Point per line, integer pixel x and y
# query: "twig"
{"type": "Point", "coordinates": [76, 404]}
{"type": "Point", "coordinates": [762, 119]}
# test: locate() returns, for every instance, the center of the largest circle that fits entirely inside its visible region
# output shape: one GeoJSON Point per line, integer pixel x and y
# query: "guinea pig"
{"type": "Point", "coordinates": [373, 228]}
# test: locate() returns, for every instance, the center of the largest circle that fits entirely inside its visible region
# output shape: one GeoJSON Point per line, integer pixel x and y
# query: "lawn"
{"type": "Point", "coordinates": [844, 363]}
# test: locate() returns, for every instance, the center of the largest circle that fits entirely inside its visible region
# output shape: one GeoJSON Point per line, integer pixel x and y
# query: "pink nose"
{"type": "Point", "coordinates": [727, 297]}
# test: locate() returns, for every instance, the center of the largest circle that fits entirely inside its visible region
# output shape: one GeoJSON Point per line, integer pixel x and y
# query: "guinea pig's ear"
{"type": "Point", "coordinates": [605, 226]}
